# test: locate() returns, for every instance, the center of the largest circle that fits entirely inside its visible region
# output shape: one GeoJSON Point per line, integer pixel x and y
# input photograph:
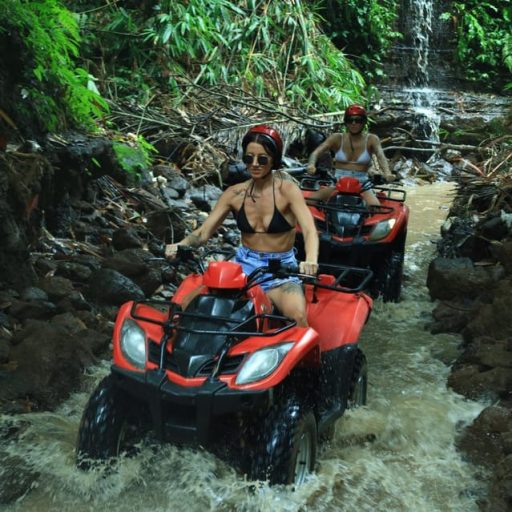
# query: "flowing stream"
{"type": "Point", "coordinates": [395, 454]}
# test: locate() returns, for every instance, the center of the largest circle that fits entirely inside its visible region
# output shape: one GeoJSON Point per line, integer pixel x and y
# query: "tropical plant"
{"type": "Point", "coordinates": [47, 38]}
{"type": "Point", "coordinates": [364, 29]}
{"type": "Point", "coordinates": [483, 40]}
{"type": "Point", "coordinates": [269, 48]}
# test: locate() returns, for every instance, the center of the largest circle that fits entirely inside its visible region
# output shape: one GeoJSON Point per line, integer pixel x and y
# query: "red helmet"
{"type": "Point", "coordinates": [355, 110]}
{"type": "Point", "coordinates": [271, 136]}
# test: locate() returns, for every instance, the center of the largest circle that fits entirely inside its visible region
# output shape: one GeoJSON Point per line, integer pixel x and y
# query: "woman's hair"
{"type": "Point", "coordinates": [269, 139]}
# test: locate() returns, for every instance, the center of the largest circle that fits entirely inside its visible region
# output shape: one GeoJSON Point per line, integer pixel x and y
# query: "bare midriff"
{"type": "Point", "coordinates": [351, 166]}
{"type": "Point", "coordinates": [269, 242]}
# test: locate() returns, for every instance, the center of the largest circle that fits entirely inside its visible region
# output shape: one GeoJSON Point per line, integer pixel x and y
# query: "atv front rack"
{"type": "Point", "coordinates": [391, 194]}
{"type": "Point", "coordinates": [347, 279]}
{"type": "Point", "coordinates": [349, 208]}
{"type": "Point", "coordinates": [171, 324]}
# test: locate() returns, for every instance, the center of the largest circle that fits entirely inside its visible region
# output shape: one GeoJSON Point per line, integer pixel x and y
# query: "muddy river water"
{"type": "Point", "coordinates": [395, 454]}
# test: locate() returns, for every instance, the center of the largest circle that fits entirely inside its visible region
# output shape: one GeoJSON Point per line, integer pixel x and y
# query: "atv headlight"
{"type": "Point", "coordinates": [262, 363]}
{"type": "Point", "coordinates": [382, 229]}
{"type": "Point", "coordinates": [133, 343]}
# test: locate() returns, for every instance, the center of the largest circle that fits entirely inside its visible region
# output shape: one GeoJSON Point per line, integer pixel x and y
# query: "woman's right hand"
{"type": "Point", "coordinates": [311, 169]}
{"type": "Point", "coordinates": [171, 250]}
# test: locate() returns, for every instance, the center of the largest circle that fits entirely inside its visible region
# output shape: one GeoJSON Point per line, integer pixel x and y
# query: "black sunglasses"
{"type": "Point", "coordinates": [262, 159]}
{"type": "Point", "coordinates": [354, 120]}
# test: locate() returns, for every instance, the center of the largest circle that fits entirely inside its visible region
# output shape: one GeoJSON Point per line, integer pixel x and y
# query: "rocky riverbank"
{"type": "Point", "coordinates": [471, 281]}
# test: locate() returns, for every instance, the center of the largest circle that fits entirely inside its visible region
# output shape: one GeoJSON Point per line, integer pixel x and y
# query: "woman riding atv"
{"type": "Point", "coordinates": [267, 209]}
{"type": "Point", "coordinates": [353, 152]}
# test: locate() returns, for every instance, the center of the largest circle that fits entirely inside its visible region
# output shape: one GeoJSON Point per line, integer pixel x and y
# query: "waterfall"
{"type": "Point", "coordinates": [422, 96]}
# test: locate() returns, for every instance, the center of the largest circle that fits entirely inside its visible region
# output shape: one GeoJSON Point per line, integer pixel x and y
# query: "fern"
{"type": "Point", "coordinates": [57, 89]}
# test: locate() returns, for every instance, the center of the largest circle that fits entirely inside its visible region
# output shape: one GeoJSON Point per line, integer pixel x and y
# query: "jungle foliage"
{"type": "Point", "coordinates": [484, 40]}
{"type": "Point", "coordinates": [363, 29]}
{"type": "Point", "coordinates": [268, 48]}
{"type": "Point", "coordinates": [45, 38]}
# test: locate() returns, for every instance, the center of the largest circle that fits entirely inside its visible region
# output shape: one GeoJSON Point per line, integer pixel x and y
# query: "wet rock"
{"type": "Point", "coordinates": [166, 225]}
{"type": "Point", "coordinates": [73, 271]}
{"type": "Point", "coordinates": [205, 197]}
{"type": "Point", "coordinates": [494, 318]}
{"type": "Point", "coordinates": [170, 195]}
{"type": "Point", "coordinates": [450, 278]}
{"type": "Point", "coordinates": [32, 293]}
{"type": "Point", "coordinates": [476, 382]}
{"type": "Point", "coordinates": [128, 262]}
{"type": "Point", "coordinates": [126, 238]}
{"type": "Point", "coordinates": [487, 438]}
{"type": "Point", "coordinates": [96, 342]}
{"type": "Point", "coordinates": [74, 302]}
{"type": "Point", "coordinates": [493, 228]}
{"type": "Point", "coordinates": [178, 204]}
{"type": "Point", "coordinates": [503, 253]}
{"type": "Point", "coordinates": [136, 264]}
{"type": "Point", "coordinates": [4, 320]}
{"type": "Point", "coordinates": [16, 478]}
{"type": "Point", "coordinates": [111, 287]}
{"type": "Point", "coordinates": [489, 352]}
{"type": "Point", "coordinates": [56, 287]}
{"type": "Point", "coordinates": [69, 322]}
{"type": "Point", "coordinates": [451, 316]}
{"type": "Point", "coordinates": [500, 495]}
{"type": "Point", "coordinates": [178, 183]}
{"type": "Point", "coordinates": [47, 363]}
{"type": "Point", "coordinates": [45, 266]}
{"type": "Point", "coordinates": [40, 309]}
{"type": "Point", "coordinates": [5, 348]}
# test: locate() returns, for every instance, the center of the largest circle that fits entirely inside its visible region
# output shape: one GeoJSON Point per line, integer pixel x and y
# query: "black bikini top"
{"type": "Point", "coordinates": [278, 223]}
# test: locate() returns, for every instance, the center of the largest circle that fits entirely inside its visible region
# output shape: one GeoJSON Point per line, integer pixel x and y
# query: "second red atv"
{"type": "Point", "coordinates": [353, 233]}
{"type": "Point", "coordinates": [218, 367]}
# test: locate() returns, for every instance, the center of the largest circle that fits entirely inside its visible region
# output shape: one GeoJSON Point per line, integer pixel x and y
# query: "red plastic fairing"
{"type": "Point", "coordinates": [337, 317]}
{"type": "Point", "coordinates": [224, 274]}
{"type": "Point", "coordinates": [189, 285]}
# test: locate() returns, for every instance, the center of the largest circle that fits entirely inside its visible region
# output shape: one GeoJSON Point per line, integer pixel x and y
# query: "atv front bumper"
{"type": "Point", "coordinates": [187, 414]}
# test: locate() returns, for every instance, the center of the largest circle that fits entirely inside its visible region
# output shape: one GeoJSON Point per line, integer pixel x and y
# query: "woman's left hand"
{"type": "Point", "coordinates": [308, 267]}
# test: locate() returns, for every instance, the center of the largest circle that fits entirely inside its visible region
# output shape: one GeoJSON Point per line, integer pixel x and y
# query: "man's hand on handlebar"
{"type": "Point", "coordinates": [311, 169]}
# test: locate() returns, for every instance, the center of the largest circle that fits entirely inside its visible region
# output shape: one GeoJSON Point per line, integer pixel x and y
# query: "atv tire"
{"type": "Point", "coordinates": [358, 383]}
{"type": "Point", "coordinates": [111, 425]}
{"type": "Point", "coordinates": [388, 276]}
{"type": "Point", "coordinates": [286, 444]}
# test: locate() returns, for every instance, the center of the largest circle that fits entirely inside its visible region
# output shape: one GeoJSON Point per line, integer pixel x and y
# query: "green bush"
{"type": "Point", "coordinates": [47, 34]}
{"type": "Point", "coordinates": [270, 49]}
{"type": "Point", "coordinates": [363, 28]}
{"type": "Point", "coordinates": [484, 41]}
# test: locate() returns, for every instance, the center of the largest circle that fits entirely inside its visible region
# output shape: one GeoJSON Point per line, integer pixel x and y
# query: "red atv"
{"type": "Point", "coordinates": [230, 373]}
{"type": "Point", "coordinates": [353, 233]}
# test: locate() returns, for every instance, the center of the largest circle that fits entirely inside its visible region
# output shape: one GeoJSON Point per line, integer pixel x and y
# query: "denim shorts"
{"type": "Point", "coordinates": [251, 260]}
{"type": "Point", "coordinates": [359, 175]}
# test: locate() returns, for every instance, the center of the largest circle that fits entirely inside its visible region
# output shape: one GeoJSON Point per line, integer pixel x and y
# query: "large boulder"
{"type": "Point", "coordinates": [450, 278]}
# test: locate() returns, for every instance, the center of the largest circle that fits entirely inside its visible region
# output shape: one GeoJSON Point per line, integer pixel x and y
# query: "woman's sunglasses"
{"type": "Point", "coordinates": [354, 120]}
{"type": "Point", "coordinates": [261, 159]}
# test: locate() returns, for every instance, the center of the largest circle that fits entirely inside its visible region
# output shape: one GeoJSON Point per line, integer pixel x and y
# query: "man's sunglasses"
{"type": "Point", "coordinates": [354, 120]}
{"type": "Point", "coordinates": [262, 159]}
